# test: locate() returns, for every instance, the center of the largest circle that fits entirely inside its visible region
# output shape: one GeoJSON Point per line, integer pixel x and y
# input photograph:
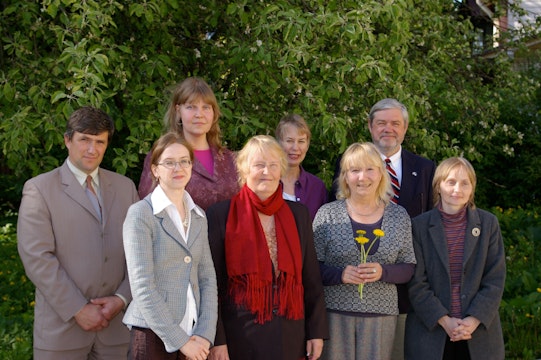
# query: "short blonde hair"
{"type": "Point", "coordinates": [361, 155]}
{"type": "Point", "coordinates": [444, 169]}
{"type": "Point", "coordinates": [294, 120]}
{"type": "Point", "coordinates": [259, 144]}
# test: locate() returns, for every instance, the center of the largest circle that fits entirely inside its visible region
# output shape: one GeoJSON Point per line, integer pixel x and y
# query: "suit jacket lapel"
{"type": "Point", "coordinates": [75, 191]}
{"type": "Point", "coordinates": [195, 228]}
{"type": "Point", "coordinates": [437, 237]}
{"type": "Point", "coordinates": [170, 228]}
{"type": "Point", "coordinates": [107, 195]}
{"type": "Point", "coordinates": [408, 178]}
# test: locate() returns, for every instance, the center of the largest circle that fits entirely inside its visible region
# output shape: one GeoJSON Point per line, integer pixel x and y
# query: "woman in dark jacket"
{"type": "Point", "coordinates": [459, 279]}
{"type": "Point", "coordinates": [271, 303]}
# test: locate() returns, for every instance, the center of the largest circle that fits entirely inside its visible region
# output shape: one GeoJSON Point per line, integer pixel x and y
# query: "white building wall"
{"type": "Point", "coordinates": [533, 9]}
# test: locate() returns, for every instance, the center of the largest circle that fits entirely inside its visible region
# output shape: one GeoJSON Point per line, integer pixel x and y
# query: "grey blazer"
{"type": "Point", "coordinates": [161, 266]}
{"type": "Point", "coordinates": [70, 257]}
{"type": "Point", "coordinates": [482, 286]}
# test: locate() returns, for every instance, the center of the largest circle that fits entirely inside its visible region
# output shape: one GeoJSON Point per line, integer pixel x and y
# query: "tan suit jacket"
{"type": "Point", "coordinates": [70, 257]}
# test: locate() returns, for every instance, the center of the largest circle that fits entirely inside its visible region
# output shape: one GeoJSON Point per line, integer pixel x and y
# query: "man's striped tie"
{"type": "Point", "coordinates": [394, 181]}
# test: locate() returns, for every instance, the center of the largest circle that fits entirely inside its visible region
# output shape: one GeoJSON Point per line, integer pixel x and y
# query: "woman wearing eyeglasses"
{"type": "Point", "coordinates": [271, 295]}
{"type": "Point", "coordinates": [193, 113]}
{"type": "Point", "coordinates": [174, 308]}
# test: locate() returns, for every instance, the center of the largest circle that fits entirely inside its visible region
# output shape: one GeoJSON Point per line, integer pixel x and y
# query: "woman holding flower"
{"type": "Point", "coordinates": [458, 283]}
{"type": "Point", "coordinates": [364, 247]}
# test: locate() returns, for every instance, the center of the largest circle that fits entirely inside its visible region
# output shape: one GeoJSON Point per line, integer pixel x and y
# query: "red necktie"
{"type": "Point", "coordinates": [394, 181]}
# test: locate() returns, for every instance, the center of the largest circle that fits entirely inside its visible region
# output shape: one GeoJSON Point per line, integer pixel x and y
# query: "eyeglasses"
{"type": "Point", "coordinates": [170, 164]}
{"type": "Point", "coordinates": [270, 166]}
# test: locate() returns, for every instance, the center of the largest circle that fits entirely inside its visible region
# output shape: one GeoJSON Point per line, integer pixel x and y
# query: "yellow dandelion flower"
{"type": "Point", "coordinates": [539, 290]}
{"type": "Point", "coordinates": [361, 240]}
{"type": "Point", "coordinates": [379, 232]}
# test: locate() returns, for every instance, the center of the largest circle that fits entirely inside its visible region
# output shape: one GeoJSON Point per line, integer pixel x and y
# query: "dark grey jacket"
{"type": "Point", "coordinates": [481, 292]}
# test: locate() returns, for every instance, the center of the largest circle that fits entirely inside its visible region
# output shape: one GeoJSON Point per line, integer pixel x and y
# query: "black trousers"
{"type": "Point", "coordinates": [456, 350]}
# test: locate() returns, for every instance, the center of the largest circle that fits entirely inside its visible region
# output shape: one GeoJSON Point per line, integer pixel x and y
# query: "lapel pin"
{"type": "Point", "coordinates": [475, 231]}
{"type": "Point", "coordinates": [414, 173]}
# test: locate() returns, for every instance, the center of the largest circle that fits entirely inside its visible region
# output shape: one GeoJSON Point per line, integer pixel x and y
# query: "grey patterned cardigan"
{"type": "Point", "coordinates": [335, 246]}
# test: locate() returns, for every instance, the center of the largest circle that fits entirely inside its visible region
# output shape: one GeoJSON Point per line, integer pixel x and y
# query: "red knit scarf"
{"type": "Point", "coordinates": [248, 261]}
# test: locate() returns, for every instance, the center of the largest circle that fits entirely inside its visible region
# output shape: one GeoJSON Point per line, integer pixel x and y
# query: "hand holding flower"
{"type": "Point", "coordinates": [370, 272]}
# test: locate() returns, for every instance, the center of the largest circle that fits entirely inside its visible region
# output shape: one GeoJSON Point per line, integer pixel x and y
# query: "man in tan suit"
{"type": "Point", "coordinates": [70, 242]}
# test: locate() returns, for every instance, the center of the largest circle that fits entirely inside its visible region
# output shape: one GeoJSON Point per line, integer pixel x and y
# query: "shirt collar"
{"type": "Point", "coordinates": [396, 163]}
{"type": "Point", "coordinates": [395, 158]}
{"type": "Point", "coordinates": [160, 201]}
{"type": "Point", "coordinates": [81, 175]}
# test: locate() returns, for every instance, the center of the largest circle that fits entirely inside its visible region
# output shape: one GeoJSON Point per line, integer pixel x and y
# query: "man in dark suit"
{"type": "Point", "coordinates": [70, 241]}
{"type": "Point", "coordinates": [388, 123]}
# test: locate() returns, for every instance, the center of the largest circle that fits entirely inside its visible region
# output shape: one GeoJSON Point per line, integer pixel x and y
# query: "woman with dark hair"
{"type": "Point", "coordinates": [173, 283]}
{"type": "Point", "coordinates": [193, 113]}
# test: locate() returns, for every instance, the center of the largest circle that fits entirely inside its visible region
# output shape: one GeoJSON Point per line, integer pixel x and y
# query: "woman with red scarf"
{"type": "Point", "coordinates": [271, 303]}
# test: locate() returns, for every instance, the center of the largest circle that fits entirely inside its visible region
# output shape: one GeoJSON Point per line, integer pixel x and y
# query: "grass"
{"type": "Point", "coordinates": [520, 309]}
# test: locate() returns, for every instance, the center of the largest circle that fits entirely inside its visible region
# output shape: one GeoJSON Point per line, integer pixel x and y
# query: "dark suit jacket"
{"type": "Point", "coordinates": [70, 257]}
{"type": "Point", "coordinates": [416, 187]}
{"type": "Point", "coordinates": [481, 292]}
{"type": "Point", "coordinates": [279, 338]}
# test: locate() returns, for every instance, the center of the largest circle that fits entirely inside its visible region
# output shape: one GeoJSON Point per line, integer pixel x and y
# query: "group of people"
{"type": "Point", "coordinates": [223, 255]}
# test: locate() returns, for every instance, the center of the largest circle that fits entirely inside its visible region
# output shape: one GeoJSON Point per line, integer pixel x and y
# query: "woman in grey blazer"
{"type": "Point", "coordinates": [460, 274]}
{"type": "Point", "coordinates": [174, 309]}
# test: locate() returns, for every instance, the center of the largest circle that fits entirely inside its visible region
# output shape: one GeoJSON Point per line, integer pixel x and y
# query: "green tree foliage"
{"type": "Point", "coordinates": [328, 60]}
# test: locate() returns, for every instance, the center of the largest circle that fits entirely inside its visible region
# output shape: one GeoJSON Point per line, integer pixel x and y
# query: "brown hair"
{"type": "Point", "coordinates": [163, 143]}
{"type": "Point", "coordinates": [193, 89]}
{"type": "Point", "coordinates": [90, 120]}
